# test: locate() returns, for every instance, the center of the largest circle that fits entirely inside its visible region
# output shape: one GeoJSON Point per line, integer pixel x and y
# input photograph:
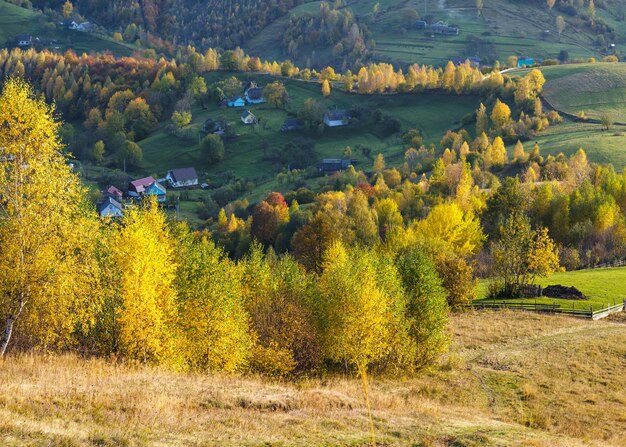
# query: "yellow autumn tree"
{"type": "Point", "coordinates": [325, 87]}
{"type": "Point", "coordinates": [145, 311]}
{"type": "Point", "coordinates": [500, 115]}
{"type": "Point", "coordinates": [449, 229]}
{"type": "Point", "coordinates": [47, 263]}
{"type": "Point", "coordinates": [212, 315]}
{"type": "Point", "coordinates": [499, 155]}
{"type": "Point", "coordinates": [362, 309]}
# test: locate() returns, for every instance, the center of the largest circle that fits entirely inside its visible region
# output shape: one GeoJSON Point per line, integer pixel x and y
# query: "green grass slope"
{"type": "Point", "coordinates": [603, 287]}
{"type": "Point", "coordinates": [246, 154]}
{"type": "Point", "coordinates": [505, 28]}
{"type": "Point", "coordinates": [595, 89]}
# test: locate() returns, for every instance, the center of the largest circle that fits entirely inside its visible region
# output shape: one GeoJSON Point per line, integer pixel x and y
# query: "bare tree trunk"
{"type": "Point", "coordinates": [6, 335]}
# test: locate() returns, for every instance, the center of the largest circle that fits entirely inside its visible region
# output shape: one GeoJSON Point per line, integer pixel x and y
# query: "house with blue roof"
{"type": "Point", "coordinates": [525, 62]}
{"type": "Point", "coordinates": [236, 101]}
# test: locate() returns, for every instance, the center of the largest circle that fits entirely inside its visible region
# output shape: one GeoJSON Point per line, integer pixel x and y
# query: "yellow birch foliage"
{"type": "Point", "coordinates": [212, 314]}
{"type": "Point", "coordinates": [46, 269]}
{"type": "Point", "coordinates": [142, 251]}
{"type": "Point", "coordinates": [359, 317]}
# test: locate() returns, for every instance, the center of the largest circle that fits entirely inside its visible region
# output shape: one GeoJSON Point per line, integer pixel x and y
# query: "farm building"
{"type": "Point", "coordinates": [254, 95]}
{"type": "Point", "coordinates": [236, 101]}
{"type": "Point", "coordinates": [525, 62]}
{"type": "Point", "coordinates": [473, 60]}
{"type": "Point", "coordinates": [24, 40]}
{"type": "Point", "coordinates": [290, 125]}
{"type": "Point", "coordinates": [332, 165]}
{"type": "Point", "coordinates": [179, 178]}
{"type": "Point", "coordinates": [336, 118]}
{"type": "Point", "coordinates": [147, 186]}
{"type": "Point", "coordinates": [110, 208]}
{"type": "Point", "coordinates": [248, 118]}
{"type": "Point", "coordinates": [445, 29]}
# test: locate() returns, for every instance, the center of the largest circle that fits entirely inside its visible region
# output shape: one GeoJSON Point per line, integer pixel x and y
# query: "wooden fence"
{"type": "Point", "coordinates": [553, 308]}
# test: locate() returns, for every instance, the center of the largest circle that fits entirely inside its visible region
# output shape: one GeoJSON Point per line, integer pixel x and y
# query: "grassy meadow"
{"type": "Point", "coordinates": [546, 381]}
{"type": "Point", "coordinates": [595, 89]}
{"type": "Point", "coordinates": [603, 287]}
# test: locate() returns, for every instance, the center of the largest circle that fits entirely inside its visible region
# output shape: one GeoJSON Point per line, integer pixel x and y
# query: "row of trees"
{"type": "Point", "coordinates": [150, 290]}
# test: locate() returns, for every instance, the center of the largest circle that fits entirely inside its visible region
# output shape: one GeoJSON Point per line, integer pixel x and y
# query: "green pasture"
{"type": "Point", "coordinates": [602, 287]}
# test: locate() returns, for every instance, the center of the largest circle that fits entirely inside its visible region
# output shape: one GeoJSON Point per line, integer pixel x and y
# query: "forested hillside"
{"type": "Point", "coordinates": [347, 33]}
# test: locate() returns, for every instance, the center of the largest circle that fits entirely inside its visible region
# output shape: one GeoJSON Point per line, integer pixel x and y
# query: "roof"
{"type": "Point", "coordinates": [112, 190]}
{"type": "Point", "coordinates": [23, 37]}
{"type": "Point", "coordinates": [337, 115]}
{"type": "Point", "coordinates": [183, 174]}
{"type": "Point", "coordinates": [246, 114]}
{"type": "Point", "coordinates": [235, 99]}
{"type": "Point", "coordinates": [141, 184]}
{"type": "Point", "coordinates": [255, 93]}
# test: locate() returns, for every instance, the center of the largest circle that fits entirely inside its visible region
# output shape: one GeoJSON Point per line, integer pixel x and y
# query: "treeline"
{"type": "Point", "coordinates": [121, 100]}
{"type": "Point", "coordinates": [150, 290]}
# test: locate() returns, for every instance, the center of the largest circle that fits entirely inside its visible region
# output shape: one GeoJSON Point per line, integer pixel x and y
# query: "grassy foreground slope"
{"type": "Point", "coordinates": [511, 379]}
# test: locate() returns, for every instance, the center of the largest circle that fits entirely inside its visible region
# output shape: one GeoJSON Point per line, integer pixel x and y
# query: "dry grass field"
{"type": "Point", "coordinates": [511, 379]}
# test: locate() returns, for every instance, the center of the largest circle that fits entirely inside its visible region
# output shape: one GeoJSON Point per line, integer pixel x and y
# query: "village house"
{"type": "Point", "coordinates": [254, 95]}
{"type": "Point", "coordinates": [110, 208]}
{"type": "Point", "coordinates": [147, 186]}
{"type": "Point", "coordinates": [445, 29]}
{"type": "Point", "coordinates": [332, 165]}
{"type": "Point", "coordinates": [248, 118]}
{"type": "Point", "coordinates": [336, 118]}
{"type": "Point", "coordinates": [24, 40]}
{"type": "Point", "coordinates": [179, 178]}
{"type": "Point", "coordinates": [525, 62]}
